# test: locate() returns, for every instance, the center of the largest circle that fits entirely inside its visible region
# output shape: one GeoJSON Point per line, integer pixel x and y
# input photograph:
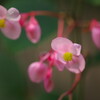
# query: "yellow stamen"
{"type": "Point", "coordinates": [2, 23]}
{"type": "Point", "coordinates": [67, 56]}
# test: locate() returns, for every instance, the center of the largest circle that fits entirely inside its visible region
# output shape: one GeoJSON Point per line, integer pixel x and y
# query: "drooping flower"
{"type": "Point", "coordinates": [33, 30]}
{"type": "Point", "coordinates": [69, 54]}
{"type": "Point", "coordinates": [95, 29]}
{"type": "Point", "coordinates": [9, 22]}
{"type": "Point", "coordinates": [37, 71]}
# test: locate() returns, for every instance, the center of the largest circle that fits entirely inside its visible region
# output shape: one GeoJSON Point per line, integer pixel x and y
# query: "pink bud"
{"type": "Point", "coordinates": [37, 71]}
{"type": "Point", "coordinates": [96, 33]}
{"type": "Point", "coordinates": [48, 83]}
{"type": "Point", "coordinates": [33, 30]}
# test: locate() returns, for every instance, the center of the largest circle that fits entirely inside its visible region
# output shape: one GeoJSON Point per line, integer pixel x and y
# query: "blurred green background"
{"type": "Point", "coordinates": [15, 56]}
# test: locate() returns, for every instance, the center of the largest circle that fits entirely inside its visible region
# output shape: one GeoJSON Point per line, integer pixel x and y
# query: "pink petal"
{"type": "Point", "coordinates": [33, 30]}
{"type": "Point", "coordinates": [3, 12]}
{"type": "Point", "coordinates": [37, 71]}
{"type": "Point", "coordinates": [60, 66]}
{"type": "Point", "coordinates": [61, 45]}
{"type": "Point", "coordinates": [59, 63]}
{"type": "Point", "coordinates": [60, 58]}
{"type": "Point", "coordinates": [12, 30]}
{"type": "Point", "coordinates": [96, 36]}
{"type": "Point", "coordinates": [48, 85]}
{"type": "Point", "coordinates": [13, 14]}
{"type": "Point", "coordinates": [77, 65]}
{"type": "Point", "coordinates": [77, 49]}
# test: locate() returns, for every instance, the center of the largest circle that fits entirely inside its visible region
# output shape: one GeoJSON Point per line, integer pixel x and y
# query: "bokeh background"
{"type": "Point", "coordinates": [15, 56]}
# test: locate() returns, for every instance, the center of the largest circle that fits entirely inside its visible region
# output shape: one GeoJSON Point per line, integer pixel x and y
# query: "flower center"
{"type": "Point", "coordinates": [67, 56]}
{"type": "Point", "coordinates": [2, 23]}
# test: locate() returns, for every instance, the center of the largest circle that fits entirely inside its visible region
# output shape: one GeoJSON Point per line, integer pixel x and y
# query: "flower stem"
{"type": "Point", "coordinates": [70, 97]}
{"type": "Point", "coordinates": [60, 27]}
{"type": "Point", "coordinates": [69, 92]}
{"type": "Point", "coordinates": [45, 13]}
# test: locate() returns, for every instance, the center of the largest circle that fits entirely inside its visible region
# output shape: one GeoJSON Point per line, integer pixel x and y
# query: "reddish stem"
{"type": "Point", "coordinates": [45, 13]}
{"type": "Point", "coordinates": [70, 28]}
{"type": "Point", "coordinates": [70, 97]}
{"type": "Point", "coordinates": [76, 81]}
{"type": "Point", "coordinates": [60, 27]}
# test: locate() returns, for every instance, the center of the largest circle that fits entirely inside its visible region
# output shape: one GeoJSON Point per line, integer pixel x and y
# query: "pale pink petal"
{"type": "Point", "coordinates": [60, 66]}
{"type": "Point", "coordinates": [96, 36]}
{"type": "Point", "coordinates": [3, 12]}
{"type": "Point", "coordinates": [37, 71]}
{"type": "Point", "coordinates": [57, 63]}
{"type": "Point", "coordinates": [33, 30]}
{"type": "Point", "coordinates": [48, 85]}
{"type": "Point", "coordinates": [13, 14]}
{"type": "Point", "coordinates": [62, 45]}
{"type": "Point", "coordinates": [60, 58]}
{"type": "Point", "coordinates": [77, 49]}
{"type": "Point", "coordinates": [77, 65]}
{"type": "Point", "coordinates": [12, 30]}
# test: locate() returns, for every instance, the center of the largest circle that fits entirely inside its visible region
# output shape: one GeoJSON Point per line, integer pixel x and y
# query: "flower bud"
{"type": "Point", "coordinates": [33, 30]}
{"type": "Point", "coordinates": [95, 29]}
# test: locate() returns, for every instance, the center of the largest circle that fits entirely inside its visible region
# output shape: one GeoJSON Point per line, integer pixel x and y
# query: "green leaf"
{"type": "Point", "coordinates": [93, 2]}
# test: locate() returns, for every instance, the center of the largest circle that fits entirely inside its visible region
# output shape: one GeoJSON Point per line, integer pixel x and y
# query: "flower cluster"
{"type": "Point", "coordinates": [11, 22]}
{"type": "Point", "coordinates": [64, 54]}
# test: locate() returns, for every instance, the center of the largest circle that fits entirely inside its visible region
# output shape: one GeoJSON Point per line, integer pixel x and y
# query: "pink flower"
{"type": "Point", "coordinates": [69, 54]}
{"type": "Point", "coordinates": [9, 22]}
{"type": "Point", "coordinates": [37, 71]}
{"type": "Point", "coordinates": [95, 29]}
{"type": "Point", "coordinates": [33, 30]}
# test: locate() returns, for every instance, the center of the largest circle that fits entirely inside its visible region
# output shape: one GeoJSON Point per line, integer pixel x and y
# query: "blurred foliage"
{"type": "Point", "coordinates": [52, 96]}
{"type": "Point", "coordinates": [93, 2]}
{"type": "Point", "coordinates": [12, 82]}
{"type": "Point", "coordinates": [93, 59]}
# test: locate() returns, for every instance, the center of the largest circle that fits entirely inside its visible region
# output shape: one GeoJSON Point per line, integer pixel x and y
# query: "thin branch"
{"type": "Point", "coordinates": [70, 97]}
{"type": "Point", "coordinates": [76, 81]}
{"type": "Point", "coordinates": [60, 27]}
{"type": "Point", "coordinates": [46, 13]}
